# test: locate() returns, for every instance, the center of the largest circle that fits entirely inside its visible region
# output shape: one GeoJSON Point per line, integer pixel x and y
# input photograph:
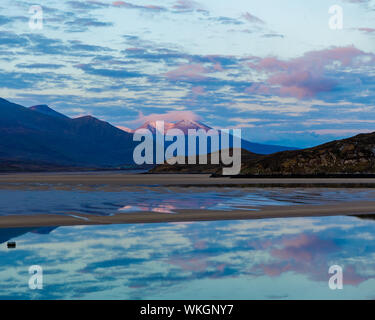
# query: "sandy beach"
{"type": "Point", "coordinates": [352, 208]}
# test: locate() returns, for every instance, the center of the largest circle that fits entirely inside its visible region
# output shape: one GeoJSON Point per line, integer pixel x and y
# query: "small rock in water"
{"type": "Point", "coordinates": [11, 245]}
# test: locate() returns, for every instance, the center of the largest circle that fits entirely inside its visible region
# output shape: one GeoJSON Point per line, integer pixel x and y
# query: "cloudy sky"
{"type": "Point", "coordinates": [274, 68]}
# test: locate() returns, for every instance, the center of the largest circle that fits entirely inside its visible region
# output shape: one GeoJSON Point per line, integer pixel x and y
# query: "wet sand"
{"type": "Point", "coordinates": [267, 212]}
{"type": "Point", "coordinates": [116, 179]}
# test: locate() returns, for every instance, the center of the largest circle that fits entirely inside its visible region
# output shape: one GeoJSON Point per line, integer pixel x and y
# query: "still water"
{"type": "Point", "coordinates": [257, 259]}
{"type": "Point", "coordinates": [70, 200]}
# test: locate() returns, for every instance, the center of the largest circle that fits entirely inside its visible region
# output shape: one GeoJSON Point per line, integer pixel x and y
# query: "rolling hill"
{"type": "Point", "coordinates": [348, 156]}
{"type": "Point", "coordinates": [352, 156]}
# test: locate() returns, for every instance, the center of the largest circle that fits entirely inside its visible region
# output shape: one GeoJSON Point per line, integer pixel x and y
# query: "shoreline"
{"type": "Point", "coordinates": [118, 179]}
{"type": "Point", "coordinates": [267, 212]}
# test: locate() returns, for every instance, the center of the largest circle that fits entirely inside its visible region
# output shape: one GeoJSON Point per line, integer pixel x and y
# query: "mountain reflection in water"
{"type": "Point", "coordinates": [257, 259]}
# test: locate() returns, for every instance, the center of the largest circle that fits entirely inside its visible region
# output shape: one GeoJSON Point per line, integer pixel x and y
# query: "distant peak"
{"type": "Point", "coordinates": [186, 121]}
{"type": "Point", "coordinates": [153, 123]}
{"type": "Point", "coordinates": [87, 118]}
{"type": "Point", "coordinates": [191, 124]}
{"type": "Point", "coordinates": [44, 109]}
{"type": "Point", "coordinates": [183, 125]}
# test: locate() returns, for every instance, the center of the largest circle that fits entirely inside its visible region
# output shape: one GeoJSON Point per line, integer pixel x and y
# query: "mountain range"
{"type": "Point", "coordinates": [40, 138]}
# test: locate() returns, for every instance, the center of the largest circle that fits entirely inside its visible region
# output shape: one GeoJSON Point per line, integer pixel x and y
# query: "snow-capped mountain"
{"type": "Point", "coordinates": [151, 125]}
{"type": "Point", "coordinates": [183, 125]}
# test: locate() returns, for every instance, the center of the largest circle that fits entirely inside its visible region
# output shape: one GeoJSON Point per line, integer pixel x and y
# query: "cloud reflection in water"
{"type": "Point", "coordinates": [276, 258]}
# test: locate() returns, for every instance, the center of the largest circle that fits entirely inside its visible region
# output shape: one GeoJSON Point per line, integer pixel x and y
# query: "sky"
{"type": "Point", "coordinates": [275, 69]}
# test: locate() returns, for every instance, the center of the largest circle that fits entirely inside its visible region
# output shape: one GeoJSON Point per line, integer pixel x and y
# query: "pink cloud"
{"type": "Point", "coordinates": [313, 60]}
{"type": "Point", "coordinates": [152, 7]}
{"type": "Point", "coordinates": [188, 72]}
{"type": "Point", "coordinates": [306, 76]}
{"type": "Point", "coordinates": [126, 129]}
{"type": "Point", "coordinates": [367, 30]}
{"type": "Point", "coordinates": [303, 254]}
{"type": "Point", "coordinates": [351, 277]}
{"type": "Point", "coordinates": [195, 71]}
{"type": "Point", "coordinates": [303, 248]}
{"type": "Point", "coordinates": [301, 84]}
{"type": "Point", "coordinates": [170, 116]}
{"type": "Point", "coordinates": [274, 270]}
{"type": "Point", "coordinates": [270, 64]}
{"type": "Point", "coordinates": [218, 67]}
{"type": "Point", "coordinates": [198, 91]}
{"type": "Point", "coordinates": [121, 4]}
{"type": "Point", "coordinates": [198, 264]}
{"type": "Point", "coordinates": [184, 5]}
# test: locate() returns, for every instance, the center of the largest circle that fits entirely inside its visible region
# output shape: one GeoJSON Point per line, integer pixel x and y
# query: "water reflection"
{"type": "Point", "coordinates": [165, 200]}
{"type": "Point", "coordinates": [265, 259]}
